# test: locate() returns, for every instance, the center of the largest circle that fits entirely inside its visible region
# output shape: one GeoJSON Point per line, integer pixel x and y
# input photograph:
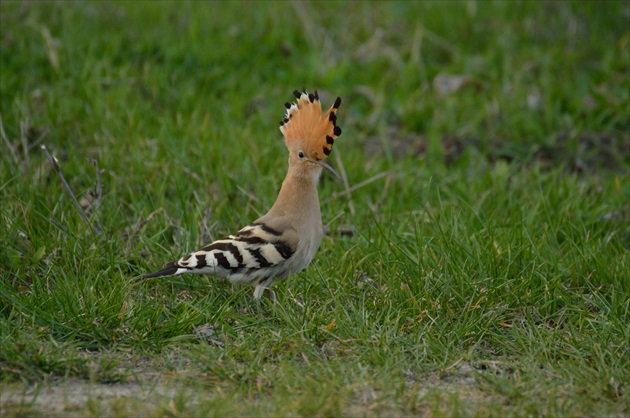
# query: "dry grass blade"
{"type": "Point", "coordinates": [24, 127]}
{"type": "Point", "coordinates": [346, 184]}
{"type": "Point", "coordinates": [98, 189]}
{"type": "Point", "coordinates": [68, 190]}
{"type": "Point", "coordinates": [357, 186]}
{"type": "Point", "coordinates": [8, 144]}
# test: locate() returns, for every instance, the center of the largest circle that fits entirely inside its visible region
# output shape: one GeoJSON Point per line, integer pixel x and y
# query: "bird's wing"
{"type": "Point", "coordinates": [255, 251]}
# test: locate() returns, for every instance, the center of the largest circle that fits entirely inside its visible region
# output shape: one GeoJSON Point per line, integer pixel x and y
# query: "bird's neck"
{"type": "Point", "coordinates": [298, 194]}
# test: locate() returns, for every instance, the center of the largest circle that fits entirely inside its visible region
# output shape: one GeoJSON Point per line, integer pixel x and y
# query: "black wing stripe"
{"type": "Point", "coordinates": [250, 239]}
{"type": "Point", "coordinates": [267, 229]}
{"type": "Point", "coordinates": [244, 233]}
{"type": "Point", "coordinates": [234, 250]}
{"type": "Point", "coordinates": [222, 261]}
{"type": "Point", "coordinates": [201, 261]}
{"type": "Point", "coordinates": [284, 250]}
{"type": "Point", "coordinates": [227, 247]}
{"type": "Point", "coordinates": [262, 261]}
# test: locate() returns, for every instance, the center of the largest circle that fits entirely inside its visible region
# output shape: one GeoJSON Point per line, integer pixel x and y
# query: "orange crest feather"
{"type": "Point", "coordinates": [305, 127]}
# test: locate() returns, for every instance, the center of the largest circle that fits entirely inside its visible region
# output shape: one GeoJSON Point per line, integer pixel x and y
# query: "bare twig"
{"type": "Point", "coordinates": [39, 139]}
{"type": "Point", "coordinates": [141, 223]}
{"type": "Point", "coordinates": [357, 186]}
{"type": "Point", "coordinates": [98, 189]}
{"type": "Point", "coordinates": [66, 186]}
{"type": "Point", "coordinates": [388, 182]}
{"type": "Point", "coordinates": [97, 194]}
{"type": "Point", "coordinates": [346, 184]}
{"type": "Point", "coordinates": [6, 141]}
{"type": "Point", "coordinates": [342, 231]}
{"type": "Point", "coordinates": [248, 194]}
{"type": "Point", "coordinates": [24, 127]}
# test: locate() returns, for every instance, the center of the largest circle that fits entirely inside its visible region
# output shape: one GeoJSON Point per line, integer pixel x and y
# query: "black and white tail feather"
{"type": "Point", "coordinates": [255, 255]}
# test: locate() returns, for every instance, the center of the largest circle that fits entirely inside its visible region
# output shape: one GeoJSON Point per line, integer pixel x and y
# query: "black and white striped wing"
{"type": "Point", "coordinates": [253, 252]}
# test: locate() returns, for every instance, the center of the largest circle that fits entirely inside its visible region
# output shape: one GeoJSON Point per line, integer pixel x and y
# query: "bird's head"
{"type": "Point", "coordinates": [309, 135]}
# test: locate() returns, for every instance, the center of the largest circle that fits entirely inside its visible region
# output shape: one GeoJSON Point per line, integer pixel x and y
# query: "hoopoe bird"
{"type": "Point", "coordinates": [284, 241]}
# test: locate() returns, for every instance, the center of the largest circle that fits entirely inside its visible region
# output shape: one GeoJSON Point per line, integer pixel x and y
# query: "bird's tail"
{"type": "Point", "coordinates": [169, 269]}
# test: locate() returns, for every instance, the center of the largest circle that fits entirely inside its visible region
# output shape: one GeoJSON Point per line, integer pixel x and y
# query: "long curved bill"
{"type": "Point", "coordinates": [330, 169]}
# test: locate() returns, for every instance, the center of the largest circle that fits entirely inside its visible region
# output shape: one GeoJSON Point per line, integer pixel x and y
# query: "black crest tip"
{"type": "Point", "coordinates": [337, 103]}
{"type": "Point", "coordinates": [296, 94]}
{"type": "Point", "coordinates": [337, 131]}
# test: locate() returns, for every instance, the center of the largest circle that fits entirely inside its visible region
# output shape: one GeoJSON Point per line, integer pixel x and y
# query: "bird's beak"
{"type": "Point", "coordinates": [330, 169]}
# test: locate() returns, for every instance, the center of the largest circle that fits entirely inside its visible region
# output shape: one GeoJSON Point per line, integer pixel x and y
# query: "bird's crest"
{"type": "Point", "coordinates": [306, 127]}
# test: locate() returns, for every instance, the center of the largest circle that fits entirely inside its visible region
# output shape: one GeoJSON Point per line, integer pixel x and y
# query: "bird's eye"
{"type": "Point", "coordinates": [301, 154]}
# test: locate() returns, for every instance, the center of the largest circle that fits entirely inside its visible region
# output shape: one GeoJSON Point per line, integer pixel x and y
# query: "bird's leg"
{"type": "Point", "coordinates": [271, 294]}
{"type": "Point", "coordinates": [258, 293]}
{"type": "Point", "coordinates": [262, 288]}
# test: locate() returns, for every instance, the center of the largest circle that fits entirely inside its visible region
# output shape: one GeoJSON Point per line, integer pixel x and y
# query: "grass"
{"type": "Point", "coordinates": [480, 269]}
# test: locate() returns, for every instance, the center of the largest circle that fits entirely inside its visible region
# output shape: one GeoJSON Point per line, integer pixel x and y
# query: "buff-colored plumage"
{"type": "Point", "coordinates": [284, 241]}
